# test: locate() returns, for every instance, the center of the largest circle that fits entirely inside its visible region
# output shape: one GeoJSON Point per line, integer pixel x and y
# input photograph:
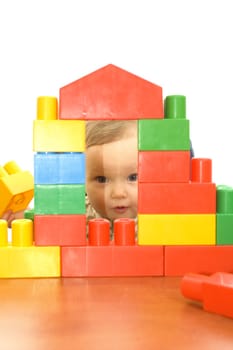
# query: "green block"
{"type": "Point", "coordinates": [175, 107]}
{"type": "Point", "coordinates": [163, 135]}
{"type": "Point", "coordinates": [224, 199]}
{"type": "Point", "coordinates": [59, 199]}
{"type": "Point", "coordinates": [224, 228]}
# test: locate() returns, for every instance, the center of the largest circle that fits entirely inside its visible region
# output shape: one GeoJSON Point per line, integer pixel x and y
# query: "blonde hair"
{"type": "Point", "coordinates": [105, 131]}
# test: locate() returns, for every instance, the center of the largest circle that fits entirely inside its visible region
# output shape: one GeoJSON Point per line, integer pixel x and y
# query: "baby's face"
{"type": "Point", "coordinates": [111, 178]}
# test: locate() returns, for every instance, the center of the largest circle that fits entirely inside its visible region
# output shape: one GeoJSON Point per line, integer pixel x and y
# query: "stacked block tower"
{"type": "Point", "coordinates": [185, 221]}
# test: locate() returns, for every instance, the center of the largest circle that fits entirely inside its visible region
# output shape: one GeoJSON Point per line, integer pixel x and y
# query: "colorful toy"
{"type": "Point", "coordinates": [16, 188]}
{"type": "Point", "coordinates": [179, 228]}
{"type": "Point", "coordinates": [215, 291]}
{"type": "Point", "coordinates": [21, 258]}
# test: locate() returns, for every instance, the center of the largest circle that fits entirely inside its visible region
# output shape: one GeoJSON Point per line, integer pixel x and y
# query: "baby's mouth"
{"type": "Point", "coordinates": [120, 209]}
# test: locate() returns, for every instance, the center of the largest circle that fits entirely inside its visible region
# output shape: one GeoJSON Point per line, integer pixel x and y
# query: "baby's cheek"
{"type": "Point", "coordinates": [98, 199]}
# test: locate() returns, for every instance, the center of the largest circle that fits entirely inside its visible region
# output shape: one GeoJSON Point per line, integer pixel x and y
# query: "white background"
{"type": "Point", "coordinates": [184, 46]}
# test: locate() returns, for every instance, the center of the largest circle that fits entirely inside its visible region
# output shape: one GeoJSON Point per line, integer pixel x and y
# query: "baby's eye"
{"type": "Point", "coordinates": [133, 177]}
{"type": "Point", "coordinates": [101, 179]}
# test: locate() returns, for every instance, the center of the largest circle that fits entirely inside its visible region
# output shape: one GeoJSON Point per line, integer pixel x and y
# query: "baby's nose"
{"type": "Point", "coordinates": [118, 191]}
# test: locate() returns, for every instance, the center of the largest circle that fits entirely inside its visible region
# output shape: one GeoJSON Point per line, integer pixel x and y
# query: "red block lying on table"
{"type": "Point", "coordinates": [215, 291]}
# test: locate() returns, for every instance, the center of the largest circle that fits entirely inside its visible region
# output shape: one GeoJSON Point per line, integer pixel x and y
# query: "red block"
{"type": "Point", "coordinates": [99, 261]}
{"type": "Point", "coordinates": [110, 261]}
{"type": "Point", "coordinates": [180, 260]}
{"type": "Point", "coordinates": [111, 93]}
{"type": "Point", "coordinates": [176, 198]}
{"type": "Point", "coordinates": [89, 261]}
{"type": "Point", "coordinates": [73, 262]}
{"type": "Point", "coordinates": [60, 230]}
{"type": "Point", "coordinates": [138, 260]}
{"type": "Point", "coordinates": [216, 291]}
{"type": "Point", "coordinates": [164, 166]}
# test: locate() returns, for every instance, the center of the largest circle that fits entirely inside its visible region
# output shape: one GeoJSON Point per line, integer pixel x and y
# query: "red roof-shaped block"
{"type": "Point", "coordinates": [111, 93]}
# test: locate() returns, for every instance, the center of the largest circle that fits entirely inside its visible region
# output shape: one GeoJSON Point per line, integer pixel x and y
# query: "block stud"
{"type": "Point", "coordinates": [47, 108]}
{"type": "Point", "coordinates": [22, 233]}
{"type": "Point", "coordinates": [175, 107]}
{"type": "Point", "coordinates": [3, 233]}
{"type": "Point", "coordinates": [12, 168]}
{"type": "Point", "coordinates": [99, 232]}
{"type": "Point", "coordinates": [201, 170]}
{"type": "Point", "coordinates": [224, 199]}
{"type": "Point", "coordinates": [124, 231]}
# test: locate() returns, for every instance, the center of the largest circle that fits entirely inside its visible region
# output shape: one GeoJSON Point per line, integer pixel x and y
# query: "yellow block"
{"type": "Point", "coordinates": [22, 233]}
{"type": "Point", "coordinates": [47, 108]}
{"type": "Point", "coordinates": [16, 188]}
{"type": "Point", "coordinates": [23, 262]}
{"type": "Point", "coordinates": [193, 229]}
{"type": "Point", "coordinates": [59, 136]}
{"type": "Point", "coordinates": [3, 233]}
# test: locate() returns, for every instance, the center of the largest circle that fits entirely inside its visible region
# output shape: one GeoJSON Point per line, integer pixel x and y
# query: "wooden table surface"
{"type": "Point", "coordinates": [106, 313]}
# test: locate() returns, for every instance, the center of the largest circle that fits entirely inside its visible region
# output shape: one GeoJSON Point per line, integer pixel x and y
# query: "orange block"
{"type": "Point", "coordinates": [60, 230]}
{"type": "Point", "coordinates": [164, 166]}
{"type": "Point", "coordinates": [176, 198]}
{"type": "Point", "coordinates": [216, 291]}
{"type": "Point", "coordinates": [180, 260]}
{"type": "Point", "coordinates": [111, 93]}
{"type": "Point", "coordinates": [16, 188]}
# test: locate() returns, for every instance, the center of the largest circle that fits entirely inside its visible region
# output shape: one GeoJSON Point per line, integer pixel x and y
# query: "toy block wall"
{"type": "Point", "coordinates": [111, 93]}
{"type": "Point", "coordinates": [184, 220]}
{"type": "Point", "coordinates": [176, 205]}
{"type": "Point", "coordinates": [59, 173]}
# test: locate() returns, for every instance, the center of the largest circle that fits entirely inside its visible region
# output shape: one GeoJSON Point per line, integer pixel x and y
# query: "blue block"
{"type": "Point", "coordinates": [59, 168]}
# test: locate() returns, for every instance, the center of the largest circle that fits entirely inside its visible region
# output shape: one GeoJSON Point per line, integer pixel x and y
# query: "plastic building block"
{"type": "Point", "coordinates": [16, 188]}
{"type": "Point", "coordinates": [47, 108]}
{"type": "Point", "coordinates": [224, 228]}
{"type": "Point", "coordinates": [224, 203]}
{"type": "Point", "coordinates": [3, 233]}
{"type": "Point", "coordinates": [163, 135]}
{"type": "Point", "coordinates": [110, 261]}
{"type": "Point", "coordinates": [22, 259]}
{"type": "Point", "coordinates": [59, 168]}
{"type": "Point", "coordinates": [124, 232]}
{"type": "Point", "coordinates": [60, 199]}
{"type": "Point", "coordinates": [175, 107]}
{"type": "Point", "coordinates": [59, 136]}
{"type": "Point", "coordinates": [168, 229]}
{"type": "Point", "coordinates": [60, 230]}
{"type": "Point", "coordinates": [111, 93]}
{"type": "Point", "coordinates": [122, 257]}
{"type": "Point", "coordinates": [201, 170]}
{"type": "Point", "coordinates": [164, 166]}
{"type": "Point", "coordinates": [177, 198]}
{"type": "Point", "coordinates": [180, 260]}
{"type": "Point", "coordinates": [215, 292]}
{"type": "Point", "coordinates": [99, 232]}
{"type": "Point", "coordinates": [224, 216]}
{"type": "Point", "coordinates": [138, 260]}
